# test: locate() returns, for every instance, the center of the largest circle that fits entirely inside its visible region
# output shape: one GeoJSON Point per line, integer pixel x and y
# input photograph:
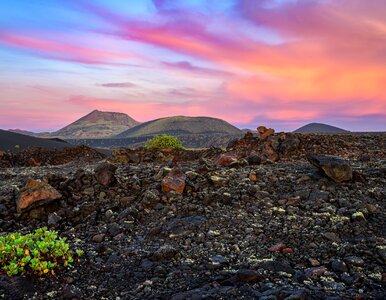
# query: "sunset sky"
{"type": "Point", "coordinates": [279, 63]}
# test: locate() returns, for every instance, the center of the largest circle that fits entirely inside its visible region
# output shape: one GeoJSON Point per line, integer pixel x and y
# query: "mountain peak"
{"type": "Point", "coordinates": [97, 124]}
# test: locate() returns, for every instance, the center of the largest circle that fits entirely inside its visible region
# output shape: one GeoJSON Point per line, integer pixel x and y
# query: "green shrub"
{"type": "Point", "coordinates": [17, 146]}
{"type": "Point", "coordinates": [38, 253]}
{"type": "Point", "coordinates": [164, 141]}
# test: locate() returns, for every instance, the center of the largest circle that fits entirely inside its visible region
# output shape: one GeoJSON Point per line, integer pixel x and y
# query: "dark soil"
{"type": "Point", "coordinates": [276, 230]}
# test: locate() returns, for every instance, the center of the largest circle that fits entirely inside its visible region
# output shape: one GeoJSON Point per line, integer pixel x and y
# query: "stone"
{"type": "Point", "coordinates": [99, 238]}
{"type": "Point", "coordinates": [314, 262]}
{"type": "Point", "coordinates": [254, 159]}
{"type": "Point", "coordinates": [248, 275]}
{"type": "Point", "coordinates": [336, 168]}
{"type": "Point", "coordinates": [150, 199]}
{"type": "Point", "coordinates": [339, 266]}
{"type": "Point", "coordinates": [227, 159]}
{"type": "Point", "coordinates": [105, 174]}
{"type": "Point", "coordinates": [289, 146]}
{"type": "Point", "coordinates": [165, 252]}
{"type": "Point", "coordinates": [315, 272]}
{"type": "Point", "coordinates": [264, 132]}
{"type": "Point", "coordinates": [331, 236]}
{"type": "Point", "coordinates": [217, 181]}
{"type": "Point", "coordinates": [279, 247]}
{"type": "Point", "coordinates": [88, 191]}
{"type": "Point", "coordinates": [354, 261]}
{"type": "Point", "coordinates": [174, 181]}
{"type": "Point", "coordinates": [35, 193]}
{"type": "Point", "coordinates": [277, 266]}
{"type": "Point", "coordinates": [53, 219]}
{"type": "Point", "coordinates": [218, 260]}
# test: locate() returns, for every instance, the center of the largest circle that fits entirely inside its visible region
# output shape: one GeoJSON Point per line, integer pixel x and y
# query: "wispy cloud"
{"type": "Point", "coordinates": [117, 85]}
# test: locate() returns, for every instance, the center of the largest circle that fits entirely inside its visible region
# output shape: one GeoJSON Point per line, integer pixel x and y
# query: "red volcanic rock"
{"type": "Point", "coordinates": [265, 132]}
{"type": "Point", "coordinates": [174, 181]}
{"type": "Point", "coordinates": [226, 159]}
{"type": "Point", "coordinates": [36, 193]}
{"type": "Point", "coordinates": [277, 247]}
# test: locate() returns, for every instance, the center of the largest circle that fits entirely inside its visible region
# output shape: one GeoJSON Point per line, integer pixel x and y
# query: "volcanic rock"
{"type": "Point", "coordinates": [227, 159]}
{"type": "Point", "coordinates": [105, 174]}
{"type": "Point", "coordinates": [265, 132]}
{"type": "Point", "coordinates": [248, 275]}
{"type": "Point", "coordinates": [334, 167]}
{"type": "Point", "coordinates": [174, 181]}
{"type": "Point", "coordinates": [35, 193]}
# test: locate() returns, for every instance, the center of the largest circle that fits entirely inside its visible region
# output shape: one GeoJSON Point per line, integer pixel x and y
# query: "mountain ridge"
{"type": "Point", "coordinates": [180, 125]}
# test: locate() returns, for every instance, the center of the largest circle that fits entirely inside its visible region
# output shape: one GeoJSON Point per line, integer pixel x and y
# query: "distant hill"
{"type": "Point", "coordinates": [181, 125]}
{"type": "Point", "coordinates": [21, 131]}
{"type": "Point", "coordinates": [96, 124]}
{"type": "Point", "coordinates": [14, 142]}
{"type": "Point", "coordinates": [319, 128]}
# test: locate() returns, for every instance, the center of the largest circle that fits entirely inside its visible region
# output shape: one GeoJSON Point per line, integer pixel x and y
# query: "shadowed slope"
{"type": "Point", "coordinates": [14, 142]}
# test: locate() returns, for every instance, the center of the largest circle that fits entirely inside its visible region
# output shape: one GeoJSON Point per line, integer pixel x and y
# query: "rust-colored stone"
{"type": "Point", "coordinates": [277, 247]}
{"type": "Point", "coordinates": [226, 159]}
{"type": "Point", "coordinates": [36, 193]}
{"type": "Point", "coordinates": [174, 181]}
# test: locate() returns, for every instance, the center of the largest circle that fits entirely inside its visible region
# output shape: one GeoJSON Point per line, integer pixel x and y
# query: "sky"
{"type": "Point", "coordinates": [278, 63]}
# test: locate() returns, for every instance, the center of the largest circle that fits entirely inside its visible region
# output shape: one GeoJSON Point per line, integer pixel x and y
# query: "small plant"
{"type": "Point", "coordinates": [163, 141]}
{"type": "Point", "coordinates": [38, 253]}
{"type": "Point", "coordinates": [17, 146]}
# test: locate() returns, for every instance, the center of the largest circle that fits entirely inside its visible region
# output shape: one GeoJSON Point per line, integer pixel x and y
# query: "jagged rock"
{"type": "Point", "coordinates": [174, 181]}
{"type": "Point", "coordinates": [105, 174]}
{"type": "Point", "coordinates": [35, 193]}
{"type": "Point", "coordinates": [248, 275]}
{"type": "Point", "coordinates": [315, 272]}
{"type": "Point", "coordinates": [334, 167]}
{"type": "Point", "coordinates": [165, 252]}
{"type": "Point", "coordinates": [289, 145]}
{"type": "Point", "coordinates": [227, 159]}
{"type": "Point", "coordinates": [265, 132]}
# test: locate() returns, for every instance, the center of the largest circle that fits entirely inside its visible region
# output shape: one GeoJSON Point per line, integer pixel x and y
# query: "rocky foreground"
{"type": "Point", "coordinates": [268, 218]}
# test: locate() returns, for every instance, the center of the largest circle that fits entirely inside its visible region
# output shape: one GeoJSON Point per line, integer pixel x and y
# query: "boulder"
{"type": "Point", "coordinates": [105, 174]}
{"type": "Point", "coordinates": [290, 145]}
{"type": "Point", "coordinates": [227, 159]}
{"type": "Point", "coordinates": [265, 132]}
{"type": "Point", "coordinates": [35, 193]}
{"type": "Point", "coordinates": [174, 181]}
{"type": "Point", "coordinates": [336, 168]}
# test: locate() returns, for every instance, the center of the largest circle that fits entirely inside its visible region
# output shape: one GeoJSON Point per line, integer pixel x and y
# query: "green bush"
{"type": "Point", "coordinates": [164, 141]}
{"type": "Point", "coordinates": [38, 253]}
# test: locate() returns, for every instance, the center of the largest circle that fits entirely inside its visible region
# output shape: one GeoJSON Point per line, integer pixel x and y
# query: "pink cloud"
{"type": "Point", "coordinates": [49, 48]}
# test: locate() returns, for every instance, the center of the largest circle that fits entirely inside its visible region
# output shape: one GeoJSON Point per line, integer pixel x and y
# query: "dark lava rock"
{"type": "Point", "coordinates": [315, 272]}
{"type": "Point", "coordinates": [105, 174]}
{"type": "Point", "coordinates": [338, 266]}
{"type": "Point", "coordinates": [277, 266]}
{"type": "Point", "coordinates": [334, 167]}
{"type": "Point", "coordinates": [16, 287]}
{"type": "Point", "coordinates": [248, 275]}
{"type": "Point", "coordinates": [165, 252]}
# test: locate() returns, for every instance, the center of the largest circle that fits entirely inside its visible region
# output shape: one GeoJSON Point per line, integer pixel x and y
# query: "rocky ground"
{"type": "Point", "coordinates": [256, 221]}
